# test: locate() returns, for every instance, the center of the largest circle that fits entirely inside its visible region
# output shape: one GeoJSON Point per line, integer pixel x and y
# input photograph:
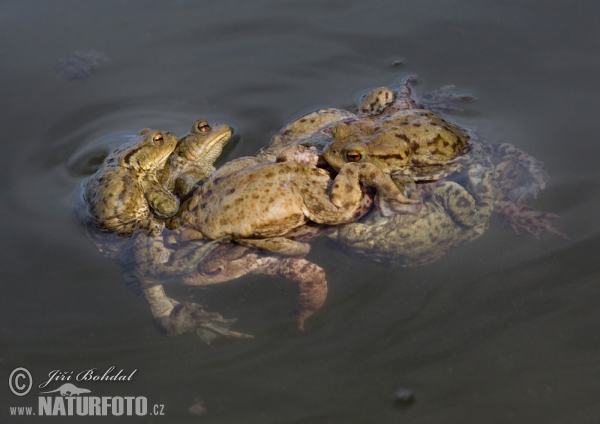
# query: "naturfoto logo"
{"type": "Point", "coordinates": [70, 400]}
{"type": "Point", "coordinates": [72, 404]}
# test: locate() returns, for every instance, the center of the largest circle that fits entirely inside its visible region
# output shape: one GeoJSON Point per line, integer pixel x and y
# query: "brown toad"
{"type": "Point", "coordinates": [256, 201]}
{"type": "Point", "coordinates": [127, 207]}
{"type": "Point", "coordinates": [452, 214]}
{"type": "Point", "coordinates": [125, 194]}
{"type": "Point", "coordinates": [231, 261]}
{"type": "Point", "coordinates": [193, 158]}
{"type": "Point", "coordinates": [409, 145]}
{"type": "Point", "coordinates": [404, 138]}
{"type": "Point", "coordinates": [406, 142]}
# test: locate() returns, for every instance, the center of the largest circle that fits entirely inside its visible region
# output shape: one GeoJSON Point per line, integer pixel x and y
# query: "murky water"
{"type": "Point", "coordinates": [505, 329]}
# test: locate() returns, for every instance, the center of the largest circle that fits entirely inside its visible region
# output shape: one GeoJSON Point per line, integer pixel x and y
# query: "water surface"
{"type": "Point", "coordinates": [505, 329]}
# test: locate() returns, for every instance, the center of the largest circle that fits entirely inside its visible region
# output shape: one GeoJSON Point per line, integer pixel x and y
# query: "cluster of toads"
{"type": "Point", "coordinates": [393, 183]}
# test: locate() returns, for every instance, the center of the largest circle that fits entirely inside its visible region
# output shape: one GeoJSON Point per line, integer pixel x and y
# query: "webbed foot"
{"type": "Point", "coordinates": [527, 219]}
{"type": "Point", "coordinates": [188, 317]}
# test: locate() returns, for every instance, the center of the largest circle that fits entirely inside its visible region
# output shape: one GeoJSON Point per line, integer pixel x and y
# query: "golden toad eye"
{"type": "Point", "coordinates": [158, 140]}
{"type": "Point", "coordinates": [212, 272]}
{"type": "Point", "coordinates": [353, 156]}
{"type": "Point", "coordinates": [204, 127]}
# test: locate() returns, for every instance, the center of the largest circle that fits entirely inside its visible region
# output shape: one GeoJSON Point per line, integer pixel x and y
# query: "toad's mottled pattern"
{"type": "Point", "coordinates": [256, 202]}
{"type": "Point", "coordinates": [414, 144]}
{"type": "Point", "coordinates": [266, 205]}
{"type": "Point", "coordinates": [193, 158]}
{"type": "Point", "coordinates": [403, 137]}
{"type": "Point", "coordinates": [314, 125]}
{"type": "Point", "coordinates": [406, 142]}
{"type": "Point", "coordinates": [127, 207]}
{"type": "Point", "coordinates": [315, 128]}
{"type": "Point", "coordinates": [451, 215]}
{"type": "Point", "coordinates": [410, 143]}
{"type": "Point", "coordinates": [124, 194]}
{"type": "Point", "coordinates": [436, 187]}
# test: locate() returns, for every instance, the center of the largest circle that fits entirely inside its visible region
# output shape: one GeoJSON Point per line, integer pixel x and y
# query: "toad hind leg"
{"type": "Point", "coordinates": [519, 174]}
{"type": "Point", "coordinates": [174, 318]}
{"type": "Point", "coordinates": [310, 283]}
{"type": "Point", "coordinates": [523, 218]}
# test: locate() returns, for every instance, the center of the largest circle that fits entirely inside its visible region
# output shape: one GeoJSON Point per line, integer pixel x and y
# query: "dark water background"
{"type": "Point", "coordinates": [503, 330]}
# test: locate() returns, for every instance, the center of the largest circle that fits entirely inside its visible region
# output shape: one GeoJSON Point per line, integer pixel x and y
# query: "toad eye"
{"type": "Point", "coordinates": [212, 272]}
{"type": "Point", "coordinates": [353, 156]}
{"type": "Point", "coordinates": [158, 140]}
{"type": "Point", "coordinates": [204, 127]}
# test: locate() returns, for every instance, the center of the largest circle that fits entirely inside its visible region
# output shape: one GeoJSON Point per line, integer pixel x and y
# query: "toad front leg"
{"type": "Point", "coordinates": [161, 201]}
{"type": "Point", "coordinates": [389, 198]}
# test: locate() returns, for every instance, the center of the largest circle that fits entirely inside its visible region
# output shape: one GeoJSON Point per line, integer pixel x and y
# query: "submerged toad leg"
{"type": "Point", "coordinates": [519, 174]}
{"type": "Point", "coordinates": [155, 263]}
{"type": "Point", "coordinates": [174, 318]}
{"type": "Point", "coordinates": [310, 283]}
{"type": "Point", "coordinates": [523, 218]}
{"type": "Point", "coordinates": [233, 261]}
{"type": "Point", "coordinates": [160, 305]}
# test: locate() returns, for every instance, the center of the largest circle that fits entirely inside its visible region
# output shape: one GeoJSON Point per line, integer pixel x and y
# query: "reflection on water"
{"type": "Point", "coordinates": [501, 330]}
